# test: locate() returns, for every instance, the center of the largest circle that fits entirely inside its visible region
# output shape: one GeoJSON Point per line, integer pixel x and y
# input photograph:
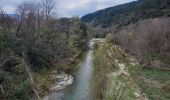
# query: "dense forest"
{"type": "Point", "coordinates": [33, 41]}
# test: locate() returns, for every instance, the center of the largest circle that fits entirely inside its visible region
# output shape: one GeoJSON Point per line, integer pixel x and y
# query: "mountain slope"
{"type": "Point", "coordinates": [125, 14]}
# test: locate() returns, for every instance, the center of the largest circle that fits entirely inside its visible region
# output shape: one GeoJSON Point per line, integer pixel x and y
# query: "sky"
{"type": "Point", "coordinates": [68, 8]}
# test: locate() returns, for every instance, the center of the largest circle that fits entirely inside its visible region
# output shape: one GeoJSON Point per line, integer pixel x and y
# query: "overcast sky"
{"type": "Point", "coordinates": [68, 8]}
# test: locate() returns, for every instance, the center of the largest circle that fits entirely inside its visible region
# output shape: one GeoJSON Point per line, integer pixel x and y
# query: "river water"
{"type": "Point", "coordinates": [80, 89]}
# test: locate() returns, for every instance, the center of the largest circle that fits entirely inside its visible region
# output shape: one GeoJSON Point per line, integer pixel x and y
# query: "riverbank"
{"type": "Point", "coordinates": [56, 79]}
{"type": "Point", "coordinates": [81, 87]}
{"type": "Point", "coordinates": [115, 82]}
{"type": "Point", "coordinates": [118, 76]}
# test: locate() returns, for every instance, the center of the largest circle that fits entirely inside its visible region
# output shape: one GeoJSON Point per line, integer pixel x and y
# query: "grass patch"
{"type": "Point", "coordinates": [153, 74]}
{"type": "Point", "coordinates": [154, 83]}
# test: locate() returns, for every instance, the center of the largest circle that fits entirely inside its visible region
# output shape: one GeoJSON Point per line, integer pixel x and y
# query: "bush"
{"type": "Point", "coordinates": [19, 91]}
{"type": "Point", "coordinates": [2, 76]}
{"type": "Point", "coordinates": [10, 64]}
{"type": "Point", "coordinates": [109, 37]}
{"type": "Point", "coordinates": [39, 59]}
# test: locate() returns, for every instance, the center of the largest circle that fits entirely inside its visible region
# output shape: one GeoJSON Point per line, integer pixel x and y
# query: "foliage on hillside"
{"type": "Point", "coordinates": [125, 14]}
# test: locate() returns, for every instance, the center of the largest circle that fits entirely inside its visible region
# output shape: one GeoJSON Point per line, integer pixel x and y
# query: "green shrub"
{"type": "Point", "coordinates": [19, 90]}
{"type": "Point", "coordinates": [2, 76]}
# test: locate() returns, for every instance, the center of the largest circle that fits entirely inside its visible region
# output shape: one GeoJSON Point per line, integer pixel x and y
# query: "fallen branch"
{"type": "Point", "coordinates": [31, 78]}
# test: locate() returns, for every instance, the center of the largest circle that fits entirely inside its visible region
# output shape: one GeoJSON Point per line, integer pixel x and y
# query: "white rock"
{"type": "Point", "coordinates": [137, 94]}
{"type": "Point", "coordinates": [63, 80]}
{"type": "Point", "coordinates": [70, 80]}
{"type": "Point", "coordinates": [122, 66]}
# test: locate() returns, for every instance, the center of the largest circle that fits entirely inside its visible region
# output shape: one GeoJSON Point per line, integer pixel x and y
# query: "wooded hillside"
{"type": "Point", "coordinates": [125, 14]}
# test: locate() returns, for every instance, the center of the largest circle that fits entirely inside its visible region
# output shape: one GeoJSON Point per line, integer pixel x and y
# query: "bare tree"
{"type": "Point", "coordinates": [1, 6]}
{"type": "Point", "coordinates": [31, 17]}
{"type": "Point", "coordinates": [146, 39]}
{"type": "Point", "coordinates": [48, 6]}
{"type": "Point", "coordinates": [1, 12]}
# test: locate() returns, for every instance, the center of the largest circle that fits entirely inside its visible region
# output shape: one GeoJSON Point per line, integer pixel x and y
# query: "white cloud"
{"type": "Point", "coordinates": [68, 8]}
{"type": "Point", "coordinates": [9, 9]}
{"type": "Point", "coordinates": [9, 6]}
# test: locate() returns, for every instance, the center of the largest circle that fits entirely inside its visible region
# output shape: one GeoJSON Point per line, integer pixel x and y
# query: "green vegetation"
{"type": "Point", "coordinates": [141, 28]}
{"type": "Point", "coordinates": [33, 45]}
{"type": "Point", "coordinates": [133, 83]}
{"type": "Point", "coordinates": [15, 83]}
{"type": "Point", "coordinates": [114, 82]}
{"type": "Point", "coordinates": [36, 45]}
{"type": "Point", "coordinates": [142, 81]}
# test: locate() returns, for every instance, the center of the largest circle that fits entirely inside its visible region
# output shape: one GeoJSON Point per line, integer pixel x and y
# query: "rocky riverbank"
{"type": "Point", "coordinates": [62, 81]}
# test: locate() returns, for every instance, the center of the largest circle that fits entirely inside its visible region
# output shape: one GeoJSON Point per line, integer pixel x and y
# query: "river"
{"type": "Point", "coordinates": [80, 89]}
